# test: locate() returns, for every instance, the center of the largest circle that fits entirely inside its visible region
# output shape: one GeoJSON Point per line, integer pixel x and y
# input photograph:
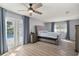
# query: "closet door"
{"type": "Point", "coordinates": [77, 38]}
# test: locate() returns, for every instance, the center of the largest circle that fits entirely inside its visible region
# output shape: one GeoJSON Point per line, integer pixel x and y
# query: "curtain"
{"type": "Point", "coordinates": [52, 27]}
{"type": "Point", "coordinates": [26, 30]}
{"type": "Point", "coordinates": [68, 32]}
{"type": "Point", "coordinates": [3, 44]}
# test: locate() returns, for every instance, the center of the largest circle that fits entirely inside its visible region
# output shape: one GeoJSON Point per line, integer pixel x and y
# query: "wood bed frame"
{"type": "Point", "coordinates": [56, 40]}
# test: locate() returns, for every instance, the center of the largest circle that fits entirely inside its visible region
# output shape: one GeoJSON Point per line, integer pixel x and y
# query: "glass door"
{"type": "Point", "coordinates": [20, 31]}
{"type": "Point", "coordinates": [10, 33]}
{"type": "Point", "coordinates": [14, 32]}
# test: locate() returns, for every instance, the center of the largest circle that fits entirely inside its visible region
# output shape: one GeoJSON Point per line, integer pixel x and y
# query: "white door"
{"type": "Point", "coordinates": [14, 32]}
{"type": "Point", "coordinates": [10, 32]}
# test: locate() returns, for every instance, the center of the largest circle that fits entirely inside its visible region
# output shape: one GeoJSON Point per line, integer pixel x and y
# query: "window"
{"type": "Point", "coordinates": [61, 27]}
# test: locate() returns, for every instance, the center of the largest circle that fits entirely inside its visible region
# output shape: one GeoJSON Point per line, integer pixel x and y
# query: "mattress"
{"type": "Point", "coordinates": [48, 34]}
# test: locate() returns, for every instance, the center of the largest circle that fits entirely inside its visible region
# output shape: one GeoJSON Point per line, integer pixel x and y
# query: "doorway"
{"type": "Point", "coordinates": [14, 32]}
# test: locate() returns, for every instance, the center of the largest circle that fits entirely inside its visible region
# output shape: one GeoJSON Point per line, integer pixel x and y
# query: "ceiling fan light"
{"type": "Point", "coordinates": [30, 11]}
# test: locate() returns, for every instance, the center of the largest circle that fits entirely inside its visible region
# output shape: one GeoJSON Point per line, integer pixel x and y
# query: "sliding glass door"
{"type": "Point", "coordinates": [14, 32]}
{"type": "Point", "coordinates": [10, 32]}
{"type": "Point", "coordinates": [20, 32]}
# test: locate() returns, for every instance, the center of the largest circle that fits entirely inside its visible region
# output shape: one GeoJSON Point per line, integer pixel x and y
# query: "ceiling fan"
{"type": "Point", "coordinates": [32, 8]}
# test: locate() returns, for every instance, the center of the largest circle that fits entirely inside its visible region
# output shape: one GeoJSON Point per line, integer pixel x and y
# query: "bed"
{"type": "Point", "coordinates": [47, 36]}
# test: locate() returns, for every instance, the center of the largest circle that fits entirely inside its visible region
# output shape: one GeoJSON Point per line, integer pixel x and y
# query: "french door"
{"type": "Point", "coordinates": [14, 31]}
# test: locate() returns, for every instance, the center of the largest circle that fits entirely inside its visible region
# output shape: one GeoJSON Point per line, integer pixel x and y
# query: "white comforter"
{"type": "Point", "coordinates": [48, 34]}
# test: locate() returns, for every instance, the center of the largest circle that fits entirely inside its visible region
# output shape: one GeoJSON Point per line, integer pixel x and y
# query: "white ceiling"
{"type": "Point", "coordinates": [51, 11]}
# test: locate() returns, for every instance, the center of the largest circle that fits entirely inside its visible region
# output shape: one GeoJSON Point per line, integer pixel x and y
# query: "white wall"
{"type": "Point", "coordinates": [72, 28]}
{"type": "Point", "coordinates": [33, 22]}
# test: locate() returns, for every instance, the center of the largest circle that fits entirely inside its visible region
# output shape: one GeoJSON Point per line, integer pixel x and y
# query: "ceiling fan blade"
{"type": "Point", "coordinates": [36, 5]}
{"type": "Point", "coordinates": [37, 12]}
